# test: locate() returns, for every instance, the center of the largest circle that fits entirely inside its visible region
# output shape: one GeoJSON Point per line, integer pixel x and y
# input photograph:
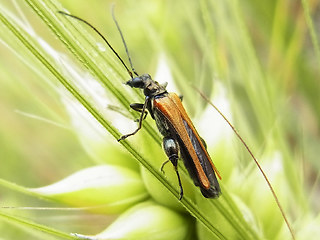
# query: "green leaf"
{"type": "Point", "coordinates": [103, 189]}
{"type": "Point", "coordinates": [148, 221]}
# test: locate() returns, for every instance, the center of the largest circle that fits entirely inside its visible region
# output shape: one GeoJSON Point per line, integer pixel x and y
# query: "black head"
{"type": "Point", "coordinates": [140, 81]}
{"type": "Point", "coordinates": [150, 87]}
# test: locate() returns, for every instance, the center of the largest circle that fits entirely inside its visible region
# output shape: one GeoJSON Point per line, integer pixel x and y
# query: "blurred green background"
{"type": "Point", "coordinates": [261, 52]}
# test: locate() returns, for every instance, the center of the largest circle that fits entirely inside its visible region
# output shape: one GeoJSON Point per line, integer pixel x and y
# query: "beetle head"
{"type": "Point", "coordinates": [139, 82]}
{"type": "Point", "coordinates": [150, 87]}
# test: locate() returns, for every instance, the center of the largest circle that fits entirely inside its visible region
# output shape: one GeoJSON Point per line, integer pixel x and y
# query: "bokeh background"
{"type": "Point", "coordinates": [262, 55]}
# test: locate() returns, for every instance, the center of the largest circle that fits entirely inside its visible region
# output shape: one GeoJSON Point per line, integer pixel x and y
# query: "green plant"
{"type": "Point", "coordinates": [215, 46]}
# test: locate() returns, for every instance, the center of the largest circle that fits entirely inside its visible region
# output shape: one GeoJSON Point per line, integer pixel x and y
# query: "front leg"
{"type": "Point", "coordinates": [138, 107]}
{"type": "Point", "coordinates": [140, 121]}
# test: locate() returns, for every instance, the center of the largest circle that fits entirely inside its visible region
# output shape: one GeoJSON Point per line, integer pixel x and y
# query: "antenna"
{"type": "Point", "coordinates": [104, 39]}
{"type": "Point", "coordinates": [123, 41]}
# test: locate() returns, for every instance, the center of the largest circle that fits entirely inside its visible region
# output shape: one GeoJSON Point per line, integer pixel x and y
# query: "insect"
{"type": "Point", "coordinates": [180, 138]}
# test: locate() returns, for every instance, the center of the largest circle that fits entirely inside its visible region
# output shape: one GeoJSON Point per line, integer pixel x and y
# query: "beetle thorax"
{"type": "Point", "coordinates": [153, 88]}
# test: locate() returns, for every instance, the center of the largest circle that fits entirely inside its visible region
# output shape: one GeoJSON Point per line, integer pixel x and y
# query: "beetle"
{"type": "Point", "coordinates": [180, 137]}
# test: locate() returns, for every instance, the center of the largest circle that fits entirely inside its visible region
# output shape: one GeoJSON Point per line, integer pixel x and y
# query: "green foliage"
{"type": "Point", "coordinates": [256, 60]}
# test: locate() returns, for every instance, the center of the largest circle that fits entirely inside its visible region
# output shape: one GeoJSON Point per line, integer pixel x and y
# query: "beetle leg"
{"type": "Point", "coordinates": [171, 149]}
{"type": "Point", "coordinates": [138, 107]}
{"type": "Point", "coordinates": [163, 164]}
{"type": "Point", "coordinates": [179, 180]}
{"type": "Point", "coordinates": [140, 121]}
